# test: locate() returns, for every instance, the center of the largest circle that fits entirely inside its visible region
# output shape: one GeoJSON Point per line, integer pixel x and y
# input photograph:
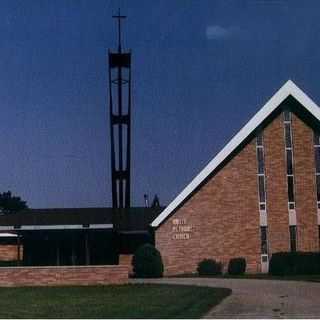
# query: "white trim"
{"type": "Point", "coordinates": [9, 235]}
{"type": "Point", "coordinates": [57, 227]}
{"type": "Point", "coordinates": [289, 88]}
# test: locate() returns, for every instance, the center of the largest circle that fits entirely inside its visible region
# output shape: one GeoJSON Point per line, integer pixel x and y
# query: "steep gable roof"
{"type": "Point", "coordinates": [288, 89]}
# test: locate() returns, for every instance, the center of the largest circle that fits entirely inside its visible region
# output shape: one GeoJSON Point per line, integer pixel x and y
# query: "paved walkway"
{"type": "Point", "coordinates": [258, 298]}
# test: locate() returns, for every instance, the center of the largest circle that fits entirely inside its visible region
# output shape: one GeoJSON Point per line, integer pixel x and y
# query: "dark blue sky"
{"type": "Point", "coordinates": [201, 69]}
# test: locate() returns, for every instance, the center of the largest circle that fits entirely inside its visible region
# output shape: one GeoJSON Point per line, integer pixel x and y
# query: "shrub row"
{"type": "Point", "coordinates": [294, 263]}
{"type": "Point", "coordinates": [147, 263]}
{"type": "Point", "coordinates": [210, 267]}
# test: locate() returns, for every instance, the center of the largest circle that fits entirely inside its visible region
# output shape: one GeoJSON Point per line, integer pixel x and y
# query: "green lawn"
{"type": "Point", "coordinates": [126, 301]}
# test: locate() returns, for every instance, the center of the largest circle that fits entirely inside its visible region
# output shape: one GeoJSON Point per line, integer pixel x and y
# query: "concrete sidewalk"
{"type": "Point", "coordinates": [258, 298]}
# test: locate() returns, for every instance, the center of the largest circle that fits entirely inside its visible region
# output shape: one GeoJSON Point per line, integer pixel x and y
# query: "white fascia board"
{"type": "Point", "coordinates": [57, 227]}
{"type": "Point", "coordinates": [8, 235]}
{"type": "Point", "coordinates": [289, 88]}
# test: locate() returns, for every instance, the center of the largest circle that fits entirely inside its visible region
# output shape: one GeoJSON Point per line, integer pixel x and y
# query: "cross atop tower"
{"type": "Point", "coordinates": [119, 17]}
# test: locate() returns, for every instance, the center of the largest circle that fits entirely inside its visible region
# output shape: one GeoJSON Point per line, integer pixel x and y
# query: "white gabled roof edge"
{"type": "Point", "coordinates": [289, 88]}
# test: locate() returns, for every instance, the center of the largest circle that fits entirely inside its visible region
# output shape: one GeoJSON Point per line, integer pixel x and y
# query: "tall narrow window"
{"type": "Point", "coordinates": [316, 139]}
{"type": "Point", "coordinates": [290, 188]}
{"type": "Point", "coordinates": [261, 172]}
{"type": "Point", "coordinates": [289, 158]}
{"type": "Point", "coordinates": [287, 115]}
{"type": "Point", "coordinates": [293, 238]}
{"type": "Point", "coordinates": [262, 192]}
{"type": "Point", "coordinates": [289, 162]}
{"type": "Point", "coordinates": [287, 131]}
{"type": "Point", "coordinates": [260, 161]}
{"type": "Point", "coordinates": [264, 240]}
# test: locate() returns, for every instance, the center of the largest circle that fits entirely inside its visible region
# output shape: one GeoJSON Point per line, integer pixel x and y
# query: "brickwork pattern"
{"type": "Point", "coordinates": [276, 186]}
{"type": "Point", "coordinates": [223, 216]}
{"type": "Point", "coordinates": [58, 276]}
{"type": "Point", "coordinates": [305, 187]}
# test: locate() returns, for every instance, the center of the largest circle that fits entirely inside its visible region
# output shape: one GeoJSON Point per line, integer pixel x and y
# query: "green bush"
{"type": "Point", "coordinates": [294, 263]}
{"type": "Point", "coordinates": [237, 266]}
{"type": "Point", "coordinates": [147, 262]}
{"type": "Point", "coordinates": [209, 267]}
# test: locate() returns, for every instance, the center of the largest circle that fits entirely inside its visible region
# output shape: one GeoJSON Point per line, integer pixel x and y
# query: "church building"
{"type": "Point", "coordinates": [259, 195]}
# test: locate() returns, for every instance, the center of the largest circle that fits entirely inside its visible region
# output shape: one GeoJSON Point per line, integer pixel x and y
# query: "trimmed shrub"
{"type": "Point", "coordinates": [209, 267]}
{"type": "Point", "coordinates": [237, 266]}
{"type": "Point", "coordinates": [147, 262]}
{"type": "Point", "coordinates": [294, 263]}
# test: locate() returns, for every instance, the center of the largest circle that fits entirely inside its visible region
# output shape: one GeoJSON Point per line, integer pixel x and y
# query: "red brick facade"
{"type": "Point", "coordinates": [305, 187]}
{"type": "Point", "coordinates": [221, 219]}
{"type": "Point", "coordinates": [276, 183]}
{"type": "Point", "coordinates": [57, 276]}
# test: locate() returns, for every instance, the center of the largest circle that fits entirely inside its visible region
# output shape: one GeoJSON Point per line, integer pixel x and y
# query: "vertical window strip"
{"type": "Point", "coordinates": [293, 238]}
{"type": "Point", "coordinates": [289, 158]}
{"type": "Point", "coordinates": [261, 172]}
{"type": "Point", "coordinates": [264, 239]}
{"type": "Point", "coordinates": [261, 191]}
{"type": "Point", "coordinates": [287, 116]}
{"type": "Point", "coordinates": [316, 141]}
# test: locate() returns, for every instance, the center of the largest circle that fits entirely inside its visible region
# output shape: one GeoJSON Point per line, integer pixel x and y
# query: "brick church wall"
{"type": "Point", "coordinates": [224, 216]}
{"type": "Point", "coordinates": [306, 198]}
{"type": "Point", "coordinates": [276, 186]}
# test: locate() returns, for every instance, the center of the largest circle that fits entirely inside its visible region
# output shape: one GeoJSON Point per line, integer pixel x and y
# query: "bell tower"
{"type": "Point", "coordinates": [120, 120]}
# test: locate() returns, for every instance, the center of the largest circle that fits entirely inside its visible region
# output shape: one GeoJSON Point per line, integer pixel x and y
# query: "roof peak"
{"type": "Point", "coordinates": [288, 88]}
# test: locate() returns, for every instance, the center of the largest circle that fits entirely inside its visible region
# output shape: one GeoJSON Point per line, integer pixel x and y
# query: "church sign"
{"type": "Point", "coordinates": [180, 229]}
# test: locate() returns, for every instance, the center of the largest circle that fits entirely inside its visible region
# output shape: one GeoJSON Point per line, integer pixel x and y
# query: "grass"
{"type": "Point", "coordinates": [125, 301]}
{"type": "Point", "coordinates": [311, 278]}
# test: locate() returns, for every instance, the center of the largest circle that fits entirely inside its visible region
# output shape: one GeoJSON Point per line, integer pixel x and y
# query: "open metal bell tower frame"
{"type": "Point", "coordinates": [120, 121]}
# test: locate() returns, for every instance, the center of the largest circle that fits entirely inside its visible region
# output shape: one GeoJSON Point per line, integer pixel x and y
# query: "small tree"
{"type": "Point", "coordinates": [147, 262]}
{"type": "Point", "coordinates": [11, 204]}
